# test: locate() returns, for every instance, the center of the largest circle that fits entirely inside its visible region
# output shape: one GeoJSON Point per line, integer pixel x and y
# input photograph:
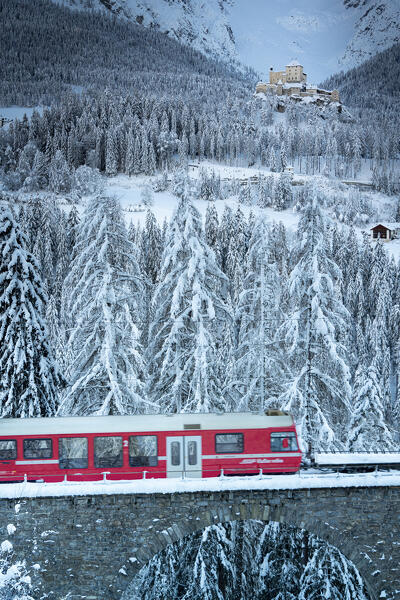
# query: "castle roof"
{"type": "Point", "coordinates": [294, 63]}
{"type": "Point", "coordinates": [293, 84]}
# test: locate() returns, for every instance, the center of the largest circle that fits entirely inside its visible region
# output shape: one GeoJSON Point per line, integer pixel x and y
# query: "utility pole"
{"type": "Point", "coordinates": [310, 356]}
{"type": "Point", "coordinates": [261, 337]}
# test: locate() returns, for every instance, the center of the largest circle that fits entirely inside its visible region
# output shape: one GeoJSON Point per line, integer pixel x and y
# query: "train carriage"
{"type": "Point", "coordinates": [147, 446]}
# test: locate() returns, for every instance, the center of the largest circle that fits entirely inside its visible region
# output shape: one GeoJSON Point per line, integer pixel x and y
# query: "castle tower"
{"type": "Point", "coordinates": [295, 73]}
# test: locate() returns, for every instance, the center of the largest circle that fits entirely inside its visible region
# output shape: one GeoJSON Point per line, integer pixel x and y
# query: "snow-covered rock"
{"type": "Point", "coordinates": [377, 28]}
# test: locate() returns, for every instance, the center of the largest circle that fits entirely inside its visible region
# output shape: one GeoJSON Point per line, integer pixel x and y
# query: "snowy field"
{"type": "Point", "coordinates": [129, 191]}
{"type": "Point", "coordinates": [168, 486]}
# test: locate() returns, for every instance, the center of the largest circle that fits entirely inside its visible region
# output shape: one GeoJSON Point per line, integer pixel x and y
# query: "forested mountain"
{"type": "Point", "coordinates": [374, 84]}
{"type": "Point", "coordinates": [202, 25]}
{"type": "Point", "coordinates": [48, 49]}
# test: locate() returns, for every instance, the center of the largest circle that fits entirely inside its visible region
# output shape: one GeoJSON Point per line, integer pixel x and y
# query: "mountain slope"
{"type": "Point", "coordinates": [201, 24]}
{"type": "Point", "coordinates": [373, 84]}
{"type": "Point", "coordinates": [55, 49]}
{"type": "Point", "coordinates": [377, 28]}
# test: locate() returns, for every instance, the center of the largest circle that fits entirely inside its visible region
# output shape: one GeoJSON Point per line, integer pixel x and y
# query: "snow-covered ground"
{"type": "Point", "coordinates": [216, 484]}
{"type": "Point", "coordinates": [129, 191]}
{"type": "Point", "coordinates": [17, 112]}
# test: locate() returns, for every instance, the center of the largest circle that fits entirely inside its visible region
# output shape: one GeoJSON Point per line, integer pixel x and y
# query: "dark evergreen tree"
{"type": "Point", "coordinates": [29, 377]}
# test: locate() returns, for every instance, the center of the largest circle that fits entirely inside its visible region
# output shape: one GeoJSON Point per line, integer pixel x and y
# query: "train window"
{"type": "Point", "coordinates": [228, 442]}
{"type": "Point", "coordinates": [38, 448]}
{"type": "Point", "coordinates": [8, 449]}
{"type": "Point", "coordinates": [143, 451]}
{"type": "Point", "coordinates": [175, 454]}
{"type": "Point", "coordinates": [192, 453]}
{"type": "Point", "coordinates": [283, 441]}
{"type": "Point", "coordinates": [107, 452]}
{"type": "Point", "coordinates": [73, 453]}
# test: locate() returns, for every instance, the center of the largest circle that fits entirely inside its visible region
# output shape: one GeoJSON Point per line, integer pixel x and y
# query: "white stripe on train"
{"type": "Point", "coordinates": [246, 457]}
{"type": "Point", "coordinates": [46, 461]}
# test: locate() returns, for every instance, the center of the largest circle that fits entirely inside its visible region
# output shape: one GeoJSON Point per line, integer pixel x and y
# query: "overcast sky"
{"type": "Point", "coordinates": [274, 32]}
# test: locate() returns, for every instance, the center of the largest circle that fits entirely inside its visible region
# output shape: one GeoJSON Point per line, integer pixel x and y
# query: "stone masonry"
{"type": "Point", "coordinates": [91, 546]}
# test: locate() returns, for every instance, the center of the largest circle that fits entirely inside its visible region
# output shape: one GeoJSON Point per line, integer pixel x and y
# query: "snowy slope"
{"type": "Point", "coordinates": [202, 24]}
{"type": "Point", "coordinates": [377, 27]}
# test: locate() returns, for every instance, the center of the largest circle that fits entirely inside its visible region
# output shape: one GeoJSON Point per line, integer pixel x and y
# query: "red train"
{"type": "Point", "coordinates": [152, 446]}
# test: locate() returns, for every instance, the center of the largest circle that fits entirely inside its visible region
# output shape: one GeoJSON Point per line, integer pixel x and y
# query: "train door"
{"type": "Point", "coordinates": [184, 456]}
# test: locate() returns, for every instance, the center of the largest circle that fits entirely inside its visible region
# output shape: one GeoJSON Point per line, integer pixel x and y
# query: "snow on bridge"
{"type": "Point", "coordinates": [302, 480]}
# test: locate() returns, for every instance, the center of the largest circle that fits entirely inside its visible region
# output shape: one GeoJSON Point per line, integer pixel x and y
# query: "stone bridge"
{"type": "Point", "coordinates": [90, 546]}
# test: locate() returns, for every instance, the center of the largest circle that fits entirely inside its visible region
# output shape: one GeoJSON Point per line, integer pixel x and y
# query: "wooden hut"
{"type": "Point", "coordinates": [385, 231]}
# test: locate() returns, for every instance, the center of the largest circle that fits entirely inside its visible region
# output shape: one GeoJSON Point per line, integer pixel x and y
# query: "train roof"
{"type": "Point", "coordinates": [138, 423]}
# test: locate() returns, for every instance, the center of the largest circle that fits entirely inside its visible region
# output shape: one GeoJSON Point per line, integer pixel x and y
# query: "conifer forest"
{"type": "Point", "coordinates": [172, 241]}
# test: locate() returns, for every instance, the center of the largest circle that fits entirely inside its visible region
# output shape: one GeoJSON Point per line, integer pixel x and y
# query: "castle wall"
{"type": "Point", "coordinates": [275, 76]}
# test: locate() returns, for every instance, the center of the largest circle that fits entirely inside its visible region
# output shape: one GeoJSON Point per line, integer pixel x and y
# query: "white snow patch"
{"type": "Point", "coordinates": [6, 546]}
{"type": "Point", "coordinates": [358, 458]}
{"type": "Point", "coordinates": [300, 480]}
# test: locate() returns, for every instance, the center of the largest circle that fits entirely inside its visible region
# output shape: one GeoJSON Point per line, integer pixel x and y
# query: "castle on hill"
{"type": "Point", "coordinates": [293, 82]}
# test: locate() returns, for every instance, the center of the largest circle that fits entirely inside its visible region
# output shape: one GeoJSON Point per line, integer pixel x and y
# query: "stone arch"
{"type": "Point", "coordinates": [194, 522]}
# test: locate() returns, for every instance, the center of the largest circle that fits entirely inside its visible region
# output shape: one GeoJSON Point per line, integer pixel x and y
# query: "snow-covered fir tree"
{"type": "Point", "coordinates": [329, 575]}
{"type": "Point", "coordinates": [211, 226]}
{"type": "Point", "coordinates": [102, 309]}
{"type": "Point", "coordinates": [151, 247]}
{"type": "Point", "coordinates": [59, 173]}
{"type": "Point", "coordinates": [367, 430]}
{"type": "Point", "coordinates": [236, 252]}
{"type": "Point", "coordinates": [29, 378]}
{"type": "Point", "coordinates": [214, 573]}
{"type": "Point", "coordinates": [258, 314]}
{"type": "Point", "coordinates": [318, 389]}
{"type": "Point", "coordinates": [188, 317]}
